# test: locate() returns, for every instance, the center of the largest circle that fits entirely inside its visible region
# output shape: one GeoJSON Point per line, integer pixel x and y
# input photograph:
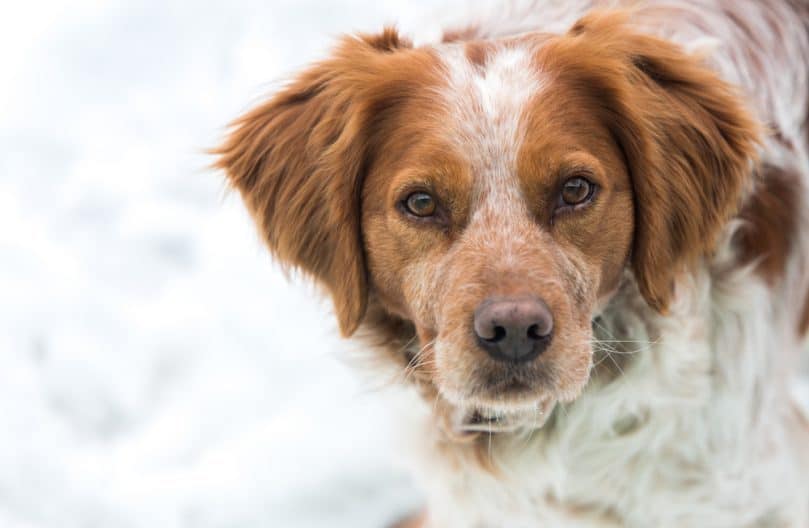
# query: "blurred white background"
{"type": "Point", "coordinates": [155, 369]}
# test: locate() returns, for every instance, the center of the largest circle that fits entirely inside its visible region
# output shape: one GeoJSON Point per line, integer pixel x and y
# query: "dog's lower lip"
{"type": "Point", "coordinates": [482, 421]}
{"type": "Point", "coordinates": [477, 418]}
{"type": "Point", "coordinates": [487, 420]}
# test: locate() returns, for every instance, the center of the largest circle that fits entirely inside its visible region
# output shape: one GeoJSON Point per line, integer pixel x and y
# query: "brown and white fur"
{"type": "Point", "coordinates": [679, 289]}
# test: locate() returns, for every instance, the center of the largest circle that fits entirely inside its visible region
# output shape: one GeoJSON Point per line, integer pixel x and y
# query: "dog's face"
{"type": "Point", "coordinates": [496, 219]}
{"type": "Point", "coordinates": [492, 193]}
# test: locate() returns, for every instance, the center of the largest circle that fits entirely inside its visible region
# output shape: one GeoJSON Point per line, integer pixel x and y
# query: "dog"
{"type": "Point", "coordinates": [580, 231]}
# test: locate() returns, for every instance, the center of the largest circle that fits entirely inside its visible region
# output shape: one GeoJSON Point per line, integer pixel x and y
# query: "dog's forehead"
{"type": "Point", "coordinates": [488, 90]}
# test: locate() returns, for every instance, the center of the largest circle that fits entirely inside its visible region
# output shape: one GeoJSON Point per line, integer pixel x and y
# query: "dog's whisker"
{"type": "Point", "coordinates": [418, 361]}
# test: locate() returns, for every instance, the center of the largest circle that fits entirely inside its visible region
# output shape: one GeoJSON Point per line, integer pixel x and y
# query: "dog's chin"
{"type": "Point", "coordinates": [500, 418]}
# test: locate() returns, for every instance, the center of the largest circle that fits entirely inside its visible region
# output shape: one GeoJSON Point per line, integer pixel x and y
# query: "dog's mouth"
{"type": "Point", "coordinates": [491, 420]}
{"type": "Point", "coordinates": [480, 394]}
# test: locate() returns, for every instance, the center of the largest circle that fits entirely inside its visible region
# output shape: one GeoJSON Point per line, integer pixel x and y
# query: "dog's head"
{"type": "Point", "coordinates": [492, 193]}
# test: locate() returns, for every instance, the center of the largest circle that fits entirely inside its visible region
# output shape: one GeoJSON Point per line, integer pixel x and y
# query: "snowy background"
{"type": "Point", "coordinates": [155, 369]}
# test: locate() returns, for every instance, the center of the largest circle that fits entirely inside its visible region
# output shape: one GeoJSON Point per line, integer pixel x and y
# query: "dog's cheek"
{"type": "Point", "coordinates": [424, 291]}
{"type": "Point", "coordinates": [459, 355]}
{"type": "Point", "coordinates": [387, 287]}
{"type": "Point", "coordinates": [574, 371]}
{"type": "Point", "coordinates": [385, 257]}
{"type": "Point", "coordinates": [439, 289]}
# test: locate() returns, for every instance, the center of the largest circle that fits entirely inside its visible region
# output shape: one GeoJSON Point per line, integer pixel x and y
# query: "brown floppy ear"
{"type": "Point", "coordinates": [689, 143]}
{"type": "Point", "coordinates": [298, 162]}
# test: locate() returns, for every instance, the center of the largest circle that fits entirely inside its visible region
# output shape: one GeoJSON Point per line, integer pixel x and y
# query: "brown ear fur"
{"type": "Point", "coordinates": [298, 162]}
{"type": "Point", "coordinates": [688, 140]}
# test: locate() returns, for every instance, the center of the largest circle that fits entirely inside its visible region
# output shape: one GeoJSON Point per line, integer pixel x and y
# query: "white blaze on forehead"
{"type": "Point", "coordinates": [486, 105]}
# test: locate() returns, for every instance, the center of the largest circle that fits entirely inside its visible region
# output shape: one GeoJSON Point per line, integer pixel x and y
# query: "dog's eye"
{"type": "Point", "coordinates": [577, 190]}
{"type": "Point", "coordinates": [420, 204]}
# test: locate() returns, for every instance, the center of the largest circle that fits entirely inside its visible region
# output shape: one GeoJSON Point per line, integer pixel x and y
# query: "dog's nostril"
{"type": "Point", "coordinates": [533, 332]}
{"type": "Point", "coordinates": [499, 334]}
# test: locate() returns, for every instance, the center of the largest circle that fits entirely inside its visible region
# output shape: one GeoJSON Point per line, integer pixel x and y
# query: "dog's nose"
{"type": "Point", "coordinates": [513, 329]}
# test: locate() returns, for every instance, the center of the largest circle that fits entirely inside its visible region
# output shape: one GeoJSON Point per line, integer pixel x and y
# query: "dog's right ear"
{"type": "Point", "coordinates": [298, 161]}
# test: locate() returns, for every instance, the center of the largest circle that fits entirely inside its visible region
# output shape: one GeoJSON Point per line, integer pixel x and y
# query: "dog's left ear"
{"type": "Point", "coordinates": [688, 140]}
{"type": "Point", "coordinates": [298, 161]}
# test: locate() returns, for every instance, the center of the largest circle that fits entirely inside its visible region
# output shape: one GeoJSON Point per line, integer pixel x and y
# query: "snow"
{"type": "Point", "coordinates": [156, 369]}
